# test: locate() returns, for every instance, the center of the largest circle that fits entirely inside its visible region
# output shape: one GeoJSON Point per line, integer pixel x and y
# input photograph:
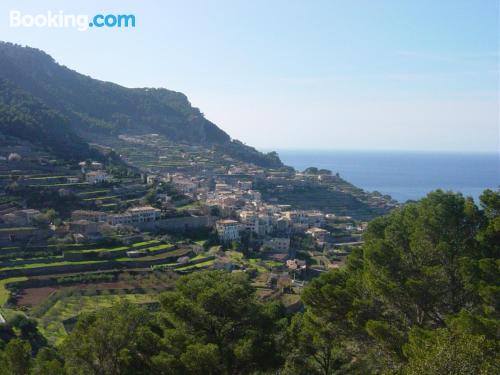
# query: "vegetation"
{"type": "Point", "coordinates": [421, 296]}
{"type": "Point", "coordinates": [26, 117]}
{"type": "Point", "coordinates": [75, 101]}
{"type": "Point", "coordinates": [4, 292]}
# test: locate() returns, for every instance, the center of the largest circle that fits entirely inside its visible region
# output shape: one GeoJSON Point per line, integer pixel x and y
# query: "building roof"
{"type": "Point", "coordinates": [227, 222]}
{"type": "Point", "coordinates": [142, 208]}
{"type": "Point", "coordinates": [316, 230]}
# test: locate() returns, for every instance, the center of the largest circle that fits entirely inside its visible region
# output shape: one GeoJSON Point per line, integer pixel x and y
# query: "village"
{"type": "Point", "coordinates": [176, 212]}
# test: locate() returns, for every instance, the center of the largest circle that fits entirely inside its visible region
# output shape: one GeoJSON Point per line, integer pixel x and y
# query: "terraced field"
{"type": "Point", "coordinates": [51, 323]}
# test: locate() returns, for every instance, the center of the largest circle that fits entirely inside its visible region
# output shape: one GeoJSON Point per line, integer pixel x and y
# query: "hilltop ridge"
{"type": "Point", "coordinates": [90, 107]}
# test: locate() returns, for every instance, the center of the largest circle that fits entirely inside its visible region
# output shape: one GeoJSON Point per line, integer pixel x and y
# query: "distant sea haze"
{"type": "Point", "coordinates": [405, 175]}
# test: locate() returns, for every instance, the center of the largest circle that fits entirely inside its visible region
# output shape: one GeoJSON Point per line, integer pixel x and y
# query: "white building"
{"type": "Point", "coordinates": [228, 230]}
{"type": "Point", "coordinates": [185, 186]}
{"type": "Point", "coordinates": [97, 177]}
{"type": "Point", "coordinates": [136, 215]}
{"type": "Point", "coordinates": [144, 214]}
{"type": "Point", "coordinates": [318, 234]}
{"type": "Point", "coordinates": [279, 244]}
{"type": "Point", "coordinates": [245, 185]}
{"type": "Point", "coordinates": [250, 220]}
{"type": "Point", "coordinates": [20, 217]}
{"type": "Point", "coordinates": [151, 179]}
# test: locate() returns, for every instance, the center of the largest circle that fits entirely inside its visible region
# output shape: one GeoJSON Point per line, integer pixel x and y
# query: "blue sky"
{"type": "Point", "coordinates": [399, 75]}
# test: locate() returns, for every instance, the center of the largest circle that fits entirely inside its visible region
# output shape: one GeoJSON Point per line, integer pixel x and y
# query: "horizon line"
{"type": "Point", "coordinates": [321, 149]}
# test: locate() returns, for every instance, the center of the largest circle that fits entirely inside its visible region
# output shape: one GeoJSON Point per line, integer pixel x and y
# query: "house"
{"type": "Point", "coordinates": [250, 220]}
{"type": "Point", "coordinates": [152, 179]}
{"type": "Point", "coordinates": [245, 185]}
{"type": "Point", "coordinates": [282, 225]}
{"type": "Point", "coordinates": [318, 234]}
{"type": "Point", "coordinates": [219, 187]}
{"type": "Point", "coordinates": [279, 244]}
{"type": "Point", "coordinates": [228, 230]}
{"type": "Point", "coordinates": [14, 157]}
{"type": "Point", "coordinates": [120, 219]}
{"type": "Point", "coordinates": [136, 215]}
{"type": "Point", "coordinates": [84, 227]}
{"type": "Point", "coordinates": [97, 177]}
{"type": "Point", "coordinates": [315, 218]}
{"type": "Point", "coordinates": [296, 264]}
{"type": "Point", "coordinates": [20, 217]}
{"type": "Point", "coordinates": [144, 214]}
{"type": "Point", "coordinates": [296, 217]}
{"type": "Point", "coordinates": [184, 184]}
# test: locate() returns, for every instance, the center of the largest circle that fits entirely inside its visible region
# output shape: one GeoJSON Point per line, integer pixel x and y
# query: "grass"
{"type": "Point", "coordinates": [196, 266]}
{"type": "Point", "coordinates": [254, 263]}
{"type": "Point", "coordinates": [48, 265]}
{"type": "Point", "coordinates": [61, 185]}
{"type": "Point", "coordinates": [102, 198]}
{"type": "Point", "coordinates": [188, 206]}
{"type": "Point", "coordinates": [16, 228]}
{"type": "Point", "coordinates": [4, 292]}
{"type": "Point", "coordinates": [160, 247]}
{"type": "Point", "coordinates": [94, 192]}
{"type": "Point", "coordinates": [48, 177]}
{"type": "Point", "coordinates": [151, 242]}
{"type": "Point", "coordinates": [103, 249]}
{"type": "Point", "coordinates": [174, 253]}
{"type": "Point", "coordinates": [290, 299]}
{"type": "Point", "coordinates": [273, 263]}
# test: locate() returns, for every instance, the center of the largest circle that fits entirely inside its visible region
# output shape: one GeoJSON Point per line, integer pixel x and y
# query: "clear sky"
{"type": "Point", "coordinates": [373, 74]}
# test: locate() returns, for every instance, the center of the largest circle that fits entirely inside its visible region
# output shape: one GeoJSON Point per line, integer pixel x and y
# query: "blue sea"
{"type": "Point", "coordinates": [405, 175]}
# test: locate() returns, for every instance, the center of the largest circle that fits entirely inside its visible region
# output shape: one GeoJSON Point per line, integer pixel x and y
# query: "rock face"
{"type": "Point", "coordinates": [80, 106]}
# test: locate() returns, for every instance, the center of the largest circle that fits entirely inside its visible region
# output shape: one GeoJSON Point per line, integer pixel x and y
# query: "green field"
{"type": "Point", "coordinates": [4, 292]}
{"type": "Point", "coordinates": [51, 323]}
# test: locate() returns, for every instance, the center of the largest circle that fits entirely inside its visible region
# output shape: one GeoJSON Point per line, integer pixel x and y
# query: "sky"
{"type": "Point", "coordinates": [366, 74]}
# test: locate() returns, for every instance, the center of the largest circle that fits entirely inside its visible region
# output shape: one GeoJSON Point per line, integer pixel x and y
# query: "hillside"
{"type": "Point", "coordinates": [92, 107]}
{"type": "Point", "coordinates": [23, 116]}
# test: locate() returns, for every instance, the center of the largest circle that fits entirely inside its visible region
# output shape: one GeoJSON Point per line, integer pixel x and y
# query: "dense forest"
{"type": "Point", "coordinates": [92, 107]}
{"type": "Point", "coordinates": [25, 117]}
{"type": "Point", "coordinates": [422, 296]}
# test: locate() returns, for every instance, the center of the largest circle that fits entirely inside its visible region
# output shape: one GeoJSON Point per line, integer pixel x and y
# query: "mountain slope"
{"type": "Point", "coordinates": [92, 106]}
{"type": "Point", "coordinates": [23, 116]}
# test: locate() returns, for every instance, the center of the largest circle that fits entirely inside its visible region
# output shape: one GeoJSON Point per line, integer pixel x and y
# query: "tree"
{"type": "Point", "coordinates": [112, 341]}
{"type": "Point", "coordinates": [428, 265]}
{"type": "Point", "coordinates": [215, 315]}
{"type": "Point", "coordinates": [52, 215]}
{"type": "Point", "coordinates": [311, 170]}
{"type": "Point", "coordinates": [445, 352]}
{"type": "Point", "coordinates": [150, 197]}
{"type": "Point", "coordinates": [315, 347]}
{"type": "Point", "coordinates": [16, 358]}
{"type": "Point", "coordinates": [47, 362]}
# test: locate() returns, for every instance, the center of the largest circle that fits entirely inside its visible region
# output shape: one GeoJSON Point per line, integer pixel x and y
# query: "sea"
{"type": "Point", "coordinates": [405, 175]}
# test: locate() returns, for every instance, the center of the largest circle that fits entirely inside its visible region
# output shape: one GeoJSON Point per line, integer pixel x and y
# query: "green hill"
{"type": "Point", "coordinates": [91, 107]}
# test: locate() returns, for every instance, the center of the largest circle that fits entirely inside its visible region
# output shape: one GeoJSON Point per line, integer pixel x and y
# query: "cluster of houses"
{"type": "Point", "coordinates": [20, 217]}
{"type": "Point", "coordinates": [242, 209]}
{"type": "Point", "coordinates": [88, 221]}
{"type": "Point", "coordinates": [94, 172]}
{"type": "Point", "coordinates": [83, 224]}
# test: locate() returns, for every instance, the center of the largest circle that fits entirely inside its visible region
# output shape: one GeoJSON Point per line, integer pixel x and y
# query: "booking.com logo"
{"type": "Point", "coordinates": [82, 22]}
